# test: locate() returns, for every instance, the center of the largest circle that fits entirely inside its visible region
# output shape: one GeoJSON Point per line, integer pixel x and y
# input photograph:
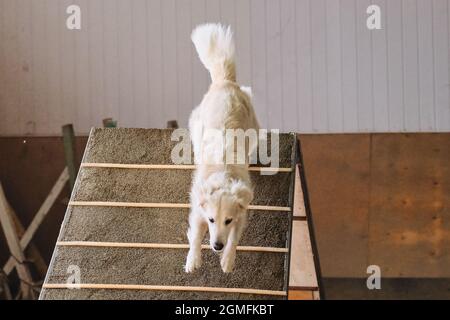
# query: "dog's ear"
{"type": "Point", "coordinates": [213, 184]}
{"type": "Point", "coordinates": [205, 191]}
{"type": "Point", "coordinates": [243, 193]}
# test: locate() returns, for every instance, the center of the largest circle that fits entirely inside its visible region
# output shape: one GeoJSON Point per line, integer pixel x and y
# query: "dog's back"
{"type": "Point", "coordinates": [225, 105]}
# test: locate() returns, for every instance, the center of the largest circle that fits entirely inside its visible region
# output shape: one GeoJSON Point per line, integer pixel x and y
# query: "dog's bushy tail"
{"type": "Point", "coordinates": [215, 47]}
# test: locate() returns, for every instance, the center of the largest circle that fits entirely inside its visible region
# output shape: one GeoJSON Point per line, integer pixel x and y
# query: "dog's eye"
{"type": "Point", "coordinates": [211, 220]}
{"type": "Point", "coordinates": [228, 221]}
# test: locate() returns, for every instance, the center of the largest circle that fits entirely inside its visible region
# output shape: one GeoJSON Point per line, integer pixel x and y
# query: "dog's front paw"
{"type": "Point", "coordinates": [227, 261]}
{"type": "Point", "coordinates": [193, 261]}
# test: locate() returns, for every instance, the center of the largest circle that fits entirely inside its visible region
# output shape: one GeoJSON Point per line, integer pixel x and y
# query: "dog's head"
{"type": "Point", "coordinates": [223, 203]}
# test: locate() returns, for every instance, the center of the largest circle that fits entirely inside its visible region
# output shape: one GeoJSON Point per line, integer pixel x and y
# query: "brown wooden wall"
{"type": "Point", "coordinates": [380, 199]}
{"type": "Point", "coordinates": [28, 169]}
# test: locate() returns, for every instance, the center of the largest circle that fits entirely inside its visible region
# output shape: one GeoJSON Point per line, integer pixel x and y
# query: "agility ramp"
{"type": "Point", "coordinates": [124, 232]}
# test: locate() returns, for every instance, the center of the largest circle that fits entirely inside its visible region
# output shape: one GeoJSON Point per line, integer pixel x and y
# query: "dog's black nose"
{"type": "Point", "coordinates": [218, 246]}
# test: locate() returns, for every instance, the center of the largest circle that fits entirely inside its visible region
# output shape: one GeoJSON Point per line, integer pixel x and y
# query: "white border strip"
{"type": "Point", "coordinates": [169, 167]}
{"type": "Point", "coordinates": [158, 246]}
{"type": "Point", "coordinates": [161, 288]}
{"type": "Point", "coordinates": [160, 205]}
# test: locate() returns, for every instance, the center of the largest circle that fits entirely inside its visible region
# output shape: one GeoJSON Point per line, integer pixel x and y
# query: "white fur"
{"type": "Point", "coordinates": [215, 48]}
{"type": "Point", "coordinates": [219, 191]}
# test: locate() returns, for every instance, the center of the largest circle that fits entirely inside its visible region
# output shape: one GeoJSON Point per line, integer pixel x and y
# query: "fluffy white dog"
{"type": "Point", "coordinates": [221, 191]}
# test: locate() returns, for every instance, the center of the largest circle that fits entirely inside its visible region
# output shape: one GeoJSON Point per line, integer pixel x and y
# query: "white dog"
{"type": "Point", "coordinates": [221, 192]}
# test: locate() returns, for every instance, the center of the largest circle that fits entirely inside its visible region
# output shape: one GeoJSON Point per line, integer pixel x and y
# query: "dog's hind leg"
{"type": "Point", "coordinates": [196, 233]}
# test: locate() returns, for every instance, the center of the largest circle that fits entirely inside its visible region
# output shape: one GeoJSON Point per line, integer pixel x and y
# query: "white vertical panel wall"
{"type": "Point", "coordinates": [313, 64]}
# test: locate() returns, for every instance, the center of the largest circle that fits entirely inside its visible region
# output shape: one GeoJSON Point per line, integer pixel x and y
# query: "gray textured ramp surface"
{"type": "Point", "coordinates": [151, 266]}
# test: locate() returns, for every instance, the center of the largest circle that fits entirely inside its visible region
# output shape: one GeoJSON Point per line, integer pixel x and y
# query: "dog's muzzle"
{"type": "Point", "coordinates": [217, 247]}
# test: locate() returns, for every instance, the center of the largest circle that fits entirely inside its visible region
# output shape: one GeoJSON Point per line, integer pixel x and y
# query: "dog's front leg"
{"type": "Point", "coordinates": [228, 257]}
{"type": "Point", "coordinates": [196, 233]}
{"type": "Point", "coordinates": [229, 253]}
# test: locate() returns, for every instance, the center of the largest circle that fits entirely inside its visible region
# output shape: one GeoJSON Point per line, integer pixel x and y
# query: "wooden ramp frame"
{"type": "Point", "coordinates": [304, 275]}
{"type": "Point", "coordinates": [302, 271]}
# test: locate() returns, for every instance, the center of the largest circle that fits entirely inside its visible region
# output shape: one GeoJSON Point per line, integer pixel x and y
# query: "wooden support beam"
{"type": "Point", "coordinates": [303, 272]}
{"type": "Point", "coordinates": [300, 295]}
{"type": "Point", "coordinates": [40, 216]}
{"type": "Point", "coordinates": [109, 123]}
{"type": "Point", "coordinates": [169, 167]}
{"type": "Point", "coordinates": [299, 210]}
{"type": "Point", "coordinates": [32, 252]}
{"type": "Point", "coordinates": [316, 295]}
{"type": "Point", "coordinates": [4, 286]}
{"type": "Point", "coordinates": [13, 242]}
{"type": "Point", "coordinates": [172, 124]}
{"type": "Point", "coordinates": [159, 246]}
{"type": "Point", "coordinates": [161, 288]}
{"type": "Point", "coordinates": [161, 205]}
{"type": "Point", "coordinates": [69, 153]}
{"type": "Point", "coordinates": [303, 294]}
